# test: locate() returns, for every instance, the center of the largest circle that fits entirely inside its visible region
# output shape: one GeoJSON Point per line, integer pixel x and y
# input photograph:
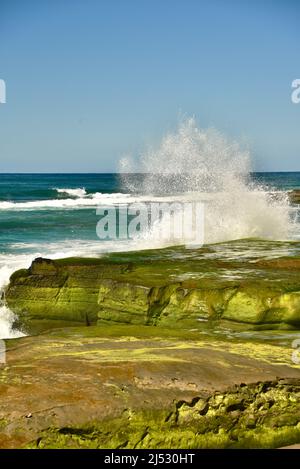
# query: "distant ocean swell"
{"type": "Point", "coordinates": [79, 198]}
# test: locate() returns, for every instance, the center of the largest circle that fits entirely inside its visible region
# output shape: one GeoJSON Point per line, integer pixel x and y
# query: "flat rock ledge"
{"type": "Point", "coordinates": [146, 387]}
{"type": "Point", "coordinates": [166, 292]}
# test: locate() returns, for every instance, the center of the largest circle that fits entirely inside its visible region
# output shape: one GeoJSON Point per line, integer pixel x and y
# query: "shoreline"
{"type": "Point", "coordinates": [140, 370]}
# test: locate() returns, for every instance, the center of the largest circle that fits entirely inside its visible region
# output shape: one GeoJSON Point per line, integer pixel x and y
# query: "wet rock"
{"type": "Point", "coordinates": [262, 294]}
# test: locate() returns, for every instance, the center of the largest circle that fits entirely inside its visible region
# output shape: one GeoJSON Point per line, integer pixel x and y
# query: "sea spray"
{"type": "Point", "coordinates": [196, 164]}
{"type": "Point", "coordinates": [7, 318]}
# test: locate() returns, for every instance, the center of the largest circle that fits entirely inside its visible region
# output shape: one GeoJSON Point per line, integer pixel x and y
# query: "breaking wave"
{"type": "Point", "coordinates": [203, 165]}
{"type": "Point", "coordinates": [81, 192]}
{"type": "Point", "coordinates": [90, 200]}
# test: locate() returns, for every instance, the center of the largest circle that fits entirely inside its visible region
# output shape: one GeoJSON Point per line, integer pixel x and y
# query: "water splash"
{"type": "Point", "coordinates": [7, 317]}
{"type": "Point", "coordinates": [197, 164]}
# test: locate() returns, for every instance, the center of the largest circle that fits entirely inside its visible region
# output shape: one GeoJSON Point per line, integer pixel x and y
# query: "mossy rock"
{"type": "Point", "coordinates": [173, 288]}
{"type": "Point", "coordinates": [147, 387]}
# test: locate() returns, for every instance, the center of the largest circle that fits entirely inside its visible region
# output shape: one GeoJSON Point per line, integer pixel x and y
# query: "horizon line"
{"type": "Point", "coordinates": [111, 172]}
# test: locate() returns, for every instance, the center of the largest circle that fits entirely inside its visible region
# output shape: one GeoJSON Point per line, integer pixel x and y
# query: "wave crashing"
{"type": "Point", "coordinates": [204, 165]}
{"type": "Point", "coordinates": [80, 192]}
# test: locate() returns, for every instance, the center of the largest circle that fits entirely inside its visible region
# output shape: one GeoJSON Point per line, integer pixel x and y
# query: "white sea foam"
{"type": "Point", "coordinates": [91, 200]}
{"type": "Point", "coordinates": [8, 264]}
{"type": "Point", "coordinates": [81, 192]}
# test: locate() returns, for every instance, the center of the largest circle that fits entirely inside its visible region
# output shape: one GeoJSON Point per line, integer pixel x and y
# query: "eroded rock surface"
{"type": "Point", "coordinates": [148, 387]}
{"type": "Point", "coordinates": [171, 287]}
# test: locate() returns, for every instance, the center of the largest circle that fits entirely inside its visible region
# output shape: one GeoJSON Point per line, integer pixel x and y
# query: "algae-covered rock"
{"type": "Point", "coordinates": [295, 196]}
{"type": "Point", "coordinates": [176, 288]}
{"type": "Point", "coordinates": [148, 387]}
{"type": "Point", "coordinates": [165, 361]}
{"type": "Point", "coordinates": [246, 306]}
{"type": "Point", "coordinates": [114, 299]}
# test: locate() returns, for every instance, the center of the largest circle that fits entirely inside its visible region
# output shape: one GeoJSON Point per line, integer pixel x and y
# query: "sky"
{"type": "Point", "coordinates": [89, 81]}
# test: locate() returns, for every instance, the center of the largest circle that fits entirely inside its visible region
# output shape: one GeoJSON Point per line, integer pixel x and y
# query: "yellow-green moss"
{"type": "Point", "coordinates": [266, 415]}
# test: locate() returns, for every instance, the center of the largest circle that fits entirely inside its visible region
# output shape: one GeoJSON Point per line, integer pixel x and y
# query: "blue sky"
{"type": "Point", "coordinates": [89, 81]}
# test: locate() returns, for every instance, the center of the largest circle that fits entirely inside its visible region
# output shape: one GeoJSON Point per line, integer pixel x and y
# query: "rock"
{"type": "Point", "coordinates": [147, 387]}
{"type": "Point", "coordinates": [295, 196]}
{"type": "Point", "coordinates": [133, 288]}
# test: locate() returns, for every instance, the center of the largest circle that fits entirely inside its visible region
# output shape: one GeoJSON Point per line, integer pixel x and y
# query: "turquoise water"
{"type": "Point", "coordinates": [34, 213]}
{"type": "Point", "coordinates": [281, 181]}
{"type": "Point", "coordinates": [23, 226]}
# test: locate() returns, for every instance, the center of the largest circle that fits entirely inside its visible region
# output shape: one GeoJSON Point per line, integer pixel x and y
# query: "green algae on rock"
{"type": "Point", "coordinates": [170, 287]}
{"type": "Point", "coordinates": [295, 196]}
{"type": "Point", "coordinates": [134, 386]}
{"type": "Point", "coordinates": [263, 415]}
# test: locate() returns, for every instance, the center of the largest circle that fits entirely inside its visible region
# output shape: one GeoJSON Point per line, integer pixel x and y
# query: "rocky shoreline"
{"type": "Point", "coordinates": [156, 349]}
{"type": "Point", "coordinates": [167, 292]}
{"type": "Point", "coordinates": [146, 387]}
